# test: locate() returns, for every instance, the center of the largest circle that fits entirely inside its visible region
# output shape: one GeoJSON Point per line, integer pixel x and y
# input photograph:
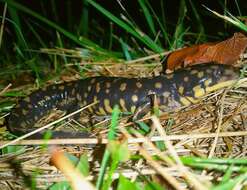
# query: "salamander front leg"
{"type": "Point", "coordinates": [145, 106]}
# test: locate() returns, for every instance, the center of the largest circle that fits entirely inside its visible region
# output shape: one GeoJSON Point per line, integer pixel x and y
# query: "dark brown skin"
{"type": "Point", "coordinates": [173, 91]}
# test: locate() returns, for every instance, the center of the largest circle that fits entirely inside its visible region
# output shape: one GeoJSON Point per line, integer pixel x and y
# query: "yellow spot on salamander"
{"type": "Point", "coordinates": [123, 87]}
{"type": "Point", "coordinates": [191, 99]}
{"type": "Point", "coordinates": [95, 98]}
{"type": "Point", "coordinates": [24, 112]}
{"type": "Point", "coordinates": [102, 111]}
{"type": "Point", "coordinates": [90, 109]}
{"type": "Point", "coordinates": [107, 91]}
{"type": "Point", "coordinates": [89, 88]}
{"type": "Point", "coordinates": [186, 79]}
{"type": "Point", "coordinates": [47, 98]}
{"type": "Point", "coordinates": [181, 90]}
{"type": "Point", "coordinates": [27, 99]}
{"type": "Point", "coordinates": [166, 94]}
{"type": "Point", "coordinates": [78, 97]}
{"type": "Point", "coordinates": [200, 74]}
{"type": "Point", "coordinates": [198, 91]}
{"type": "Point", "coordinates": [169, 76]}
{"type": "Point", "coordinates": [61, 87]}
{"type": "Point", "coordinates": [73, 92]}
{"type": "Point", "coordinates": [132, 109]}
{"type": "Point", "coordinates": [158, 85]}
{"type": "Point", "coordinates": [85, 94]}
{"type": "Point", "coordinates": [30, 106]}
{"type": "Point", "coordinates": [185, 101]}
{"type": "Point", "coordinates": [97, 87]}
{"type": "Point", "coordinates": [108, 85]}
{"type": "Point", "coordinates": [92, 80]}
{"type": "Point", "coordinates": [193, 71]}
{"type": "Point", "coordinates": [122, 104]}
{"type": "Point", "coordinates": [134, 98]}
{"type": "Point", "coordinates": [107, 105]}
{"type": "Point", "coordinates": [139, 84]}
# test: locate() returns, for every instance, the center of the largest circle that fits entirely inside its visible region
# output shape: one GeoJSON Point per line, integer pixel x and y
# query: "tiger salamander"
{"type": "Point", "coordinates": [181, 88]}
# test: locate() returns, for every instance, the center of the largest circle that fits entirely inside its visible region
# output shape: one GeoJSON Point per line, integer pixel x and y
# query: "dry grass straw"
{"type": "Point", "coordinates": [214, 127]}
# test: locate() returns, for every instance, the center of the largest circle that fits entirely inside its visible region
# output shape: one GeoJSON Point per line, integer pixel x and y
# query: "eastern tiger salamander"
{"type": "Point", "coordinates": [181, 88]}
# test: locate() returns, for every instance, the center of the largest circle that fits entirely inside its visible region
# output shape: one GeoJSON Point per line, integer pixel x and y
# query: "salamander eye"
{"type": "Point", "coordinates": [217, 74]}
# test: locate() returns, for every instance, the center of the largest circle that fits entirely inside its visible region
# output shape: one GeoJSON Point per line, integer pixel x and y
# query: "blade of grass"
{"type": "Point", "coordinates": [37, 36]}
{"type": "Point", "coordinates": [16, 19]}
{"type": "Point", "coordinates": [21, 37]}
{"type": "Point", "coordinates": [106, 157]}
{"type": "Point", "coordinates": [60, 44]}
{"type": "Point", "coordinates": [190, 159]}
{"type": "Point", "coordinates": [136, 33]}
{"type": "Point", "coordinates": [148, 16]}
{"type": "Point", "coordinates": [80, 41]}
{"type": "Point", "coordinates": [179, 31]}
{"type": "Point", "coordinates": [217, 167]}
{"type": "Point", "coordinates": [238, 8]}
{"type": "Point", "coordinates": [2, 23]}
{"type": "Point", "coordinates": [235, 21]}
{"type": "Point", "coordinates": [230, 184]}
{"type": "Point", "coordinates": [83, 26]}
{"type": "Point", "coordinates": [227, 175]}
{"type": "Point", "coordinates": [201, 36]}
{"type": "Point", "coordinates": [69, 16]}
{"type": "Point", "coordinates": [125, 50]}
{"type": "Point", "coordinates": [162, 26]}
{"type": "Point", "coordinates": [54, 10]}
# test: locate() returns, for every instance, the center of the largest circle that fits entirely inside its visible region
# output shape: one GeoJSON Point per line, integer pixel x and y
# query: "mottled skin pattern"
{"type": "Point", "coordinates": [173, 91]}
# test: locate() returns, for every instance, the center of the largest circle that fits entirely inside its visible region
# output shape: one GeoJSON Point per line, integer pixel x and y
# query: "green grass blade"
{"type": "Point", "coordinates": [16, 19]}
{"type": "Point", "coordinates": [148, 16]}
{"type": "Point", "coordinates": [227, 175]}
{"type": "Point", "coordinates": [83, 26]}
{"type": "Point", "coordinates": [125, 50]}
{"type": "Point", "coordinates": [103, 166]}
{"type": "Point", "coordinates": [233, 20]}
{"type": "Point", "coordinates": [60, 44]}
{"type": "Point", "coordinates": [106, 157]}
{"type": "Point", "coordinates": [136, 33]}
{"type": "Point", "coordinates": [54, 10]}
{"type": "Point", "coordinates": [82, 41]}
{"type": "Point", "coordinates": [18, 50]}
{"type": "Point", "coordinates": [36, 35]}
{"type": "Point", "coordinates": [180, 30]}
{"type": "Point", "coordinates": [231, 183]}
{"type": "Point", "coordinates": [162, 26]}
{"type": "Point", "coordinates": [69, 16]}
{"type": "Point", "coordinates": [199, 25]}
{"type": "Point", "coordinates": [229, 161]}
{"type": "Point", "coordinates": [23, 43]}
{"type": "Point", "coordinates": [238, 8]}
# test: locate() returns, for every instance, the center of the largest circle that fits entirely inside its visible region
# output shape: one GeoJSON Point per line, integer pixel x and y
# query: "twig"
{"type": "Point", "coordinates": [6, 88]}
{"type": "Point", "coordinates": [79, 141]}
{"type": "Point", "coordinates": [148, 57]}
{"type": "Point", "coordinates": [2, 23]}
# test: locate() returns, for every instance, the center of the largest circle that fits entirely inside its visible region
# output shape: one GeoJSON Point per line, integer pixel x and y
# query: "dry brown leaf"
{"type": "Point", "coordinates": [227, 52]}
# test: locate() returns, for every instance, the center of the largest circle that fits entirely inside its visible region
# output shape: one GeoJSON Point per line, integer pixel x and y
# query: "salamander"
{"type": "Point", "coordinates": [173, 91]}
